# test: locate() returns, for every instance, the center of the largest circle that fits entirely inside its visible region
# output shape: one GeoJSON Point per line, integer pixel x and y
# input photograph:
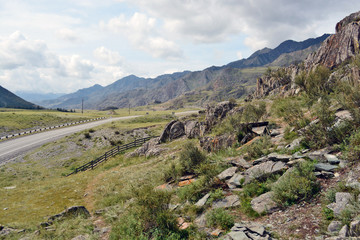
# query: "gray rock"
{"type": "Point", "coordinates": [342, 199]}
{"type": "Point", "coordinates": [319, 154]}
{"type": "Point", "coordinates": [332, 159]}
{"type": "Point", "coordinates": [200, 221]}
{"type": "Point", "coordinates": [334, 226]}
{"type": "Point", "coordinates": [294, 144]}
{"type": "Point", "coordinates": [297, 155]}
{"type": "Point", "coordinates": [355, 228]}
{"type": "Point", "coordinates": [239, 162]}
{"type": "Point", "coordinates": [295, 162]}
{"type": "Point", "coordinates": [264, 203]}
{"type": "Point", "coordinates": [203, 200]}
{"type": "Point", "coordinates": [81, 237]}
{"type": "Point", "coordinates": [235, 181]}
{"type": "Point", "coordinates": [177, 130]}
{"type": "Point", "coordinates": [192, 129]}
{"type": "Point", "coordinates": [260, 160]}
{"type": "Point", "coordinates": [227, 202]}
{"type": "Point", "coordinates": [228, 173]}
{"type": "Point", "coordinates": [238, 236]}
{"type": "Point", "coordinates": [263, 170]}
{"type": "Point", "coordinates": [352, 180]}
{"type": "Point", "coordinates": [165, 135]}
{"type": "Point", "coordinates": [279, 157]}
{"type": "Point", "coordinates": [325, 167]}
{"type": "Point", "coordinates": [344, 232]}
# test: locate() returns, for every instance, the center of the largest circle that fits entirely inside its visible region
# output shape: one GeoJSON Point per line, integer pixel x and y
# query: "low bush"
{"type": "Point", "coordinates": [220, 218]}
{"type": "Point", "coordinates": [190, 158]}
{"type": "Point", "coordinates": [352, 150]}
{"type": "Point", "coordinates": [296, 185]}
{"type": "Point", "coordinates": [257, 149]}
{"type": "Point", "coordinates": [289, 109]}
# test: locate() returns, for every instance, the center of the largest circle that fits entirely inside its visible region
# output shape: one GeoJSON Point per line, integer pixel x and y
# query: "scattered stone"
{"type": "Point", "coordinates": [334, 227]}
{"type": "Point", "coordinates": [355, 228]}
{"type": "Point", "coordinates": [279, 157]}
{"type": "Point", "coordinates": [247, 230]}
{"type": "Point", "coordinates": [227, 202]}
{"type": "Point", "coordinates": [217, 233]}
{"type": "Point", "coordinates": [344, 232]}
{"type": "Point", "coordinates": [297, 155]}
{"type": "Point", "coordinates": [319, 154]}
{"type": "Point", "coordinates": [236, 181]}
{"type": "Point", "coordinates": [81, 237]}
{"type": "Point", "coordinates": [352, 180]}
{"type": "Point", "coordinates": [294, 144]}
{"type": "Point", "coordinates": [239, 162]}
{"type": "Point", "coordinates": [260, 160]}
{"type": "Point", "coordinates": [203, 200]}
{"type": "Point", "coordinates": [186, 182]}
{"type": "Point", "coordinates": [263, 170]}
{"type": "Point", "coordinates": [264, 203]}
{"type": "Point", "coordinates": [332, 159]}
{"type": "Point", "coordinates": [325, 167]}
{"type": "Point", "coordinates": [200, 221]}
{"type": "Point", "coordinates": [342, 199]}
{"type": "Point", "coordinates": [228, 173]}
{"type": "Point", "coordinates": [295, 162]}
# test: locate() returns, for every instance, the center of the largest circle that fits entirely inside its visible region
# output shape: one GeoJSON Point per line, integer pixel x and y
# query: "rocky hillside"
{"type": "Point", "coordinates": [136, 91]}
{"type": "Point", "coordinates": [338, 49]}
{"type": "Point", "coordinates": [10, 100]}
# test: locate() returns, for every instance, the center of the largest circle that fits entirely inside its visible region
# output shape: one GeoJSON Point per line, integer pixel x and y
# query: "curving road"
{"type": "Point", "coordinates": [12, 148]}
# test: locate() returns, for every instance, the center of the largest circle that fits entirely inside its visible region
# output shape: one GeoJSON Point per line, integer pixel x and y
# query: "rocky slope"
{"type": "Point", "coordinates": [337, 49]}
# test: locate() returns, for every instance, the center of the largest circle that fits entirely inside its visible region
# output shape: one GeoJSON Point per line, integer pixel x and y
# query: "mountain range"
{"type": "Point", "coordinates": [235, 79]}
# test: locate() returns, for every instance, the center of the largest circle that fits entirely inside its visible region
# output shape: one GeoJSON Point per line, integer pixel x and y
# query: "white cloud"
{"type": "Point", "coordinates": [67, 34]}
{"type": "Point", "coordinates": [239, 55]}
{"type": "Point", "coordinates": [265, 23]}
{"type": "Point", "coordinates": [110, 57]}
{"type": "Point", "coordinates": [142, 33]}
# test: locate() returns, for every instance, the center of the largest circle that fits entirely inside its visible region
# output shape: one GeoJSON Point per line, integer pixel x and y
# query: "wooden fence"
{"type": "Point", "coordinates": [109, 154]}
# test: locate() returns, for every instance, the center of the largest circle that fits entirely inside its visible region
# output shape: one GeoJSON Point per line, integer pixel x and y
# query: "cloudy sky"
{"type": "Point", "coordinates": [64, 45]}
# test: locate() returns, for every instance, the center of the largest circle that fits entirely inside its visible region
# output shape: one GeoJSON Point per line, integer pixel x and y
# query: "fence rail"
{"type": "Point", "coordinates": [109, 154]}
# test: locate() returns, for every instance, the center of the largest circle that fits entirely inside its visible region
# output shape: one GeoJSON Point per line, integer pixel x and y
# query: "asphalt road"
{"type": "Point", "coordinates": [10, 149]}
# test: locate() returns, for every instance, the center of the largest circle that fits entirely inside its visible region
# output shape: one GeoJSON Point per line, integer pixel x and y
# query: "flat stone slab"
{"type": "Point", "coordinates": [235, 181]}
{"type": "Point", "coordinates": [325, 167]}
{"type": "Point", "coordinates": [332, 159]}
{"type": "Point", "coordinates": [263, 170]}
{"type": "Point", "coordinates": [239, 162]}
{"type": "Point", "coordinates": [264, 203]}
{"type": "Point", "coordinates": [228, 173]}
{"type": "Point", "coordinates": [203, 200]}
{"type": "Point", "coordinates": [279, 157]}
{"type": "Point", "coordinates": [227, 202]}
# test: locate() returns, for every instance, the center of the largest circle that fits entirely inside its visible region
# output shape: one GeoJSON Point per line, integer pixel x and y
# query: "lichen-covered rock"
{"type": "Point", "coordinates": [263, 170]}
{"type": "Point", "coordinates": [227, 173]}
{"type": "Point", "coordinates": [177, 130]}
{"type": "Point", "coordinates": [215, 113]}
{"type": "Point", "coordinates": [211, 144]}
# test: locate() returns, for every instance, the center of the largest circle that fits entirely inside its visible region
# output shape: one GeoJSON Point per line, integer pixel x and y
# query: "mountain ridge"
{"type": "Point", "coordinates": [10, 100]}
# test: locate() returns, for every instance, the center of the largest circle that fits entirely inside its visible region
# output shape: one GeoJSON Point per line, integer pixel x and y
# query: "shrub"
{"type": "Point", "coordinates": [220, 218]}
{"type": "Point", "coordinates": [296, 185]}
{"type": "Point", "coordinates": [289, 109]}
{"type": "Point", "coordinates": [352, 151]}
{"type": "Point", "coordinates": [257, 149]}
{"type": "Point", "coordinates": [148, 217]}
{"type": "Point", "coordinates": [87, 135]}
{"type": "Point", "coordinates": [190, 157]}
{"type": "Point", "coordinates": [253, 112]}
{"type": "Point", "coordinates": [195, 190]}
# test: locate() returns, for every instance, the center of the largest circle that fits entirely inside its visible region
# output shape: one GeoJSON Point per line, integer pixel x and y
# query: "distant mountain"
{"type": "Point", "coordinates": [38, 97]}
{"type": "Point", "coordinates": [10, 100]}
{"type": "Point", "coordinates": [214, 83]}
{"type": "Point", "coordinates": [267, 55]}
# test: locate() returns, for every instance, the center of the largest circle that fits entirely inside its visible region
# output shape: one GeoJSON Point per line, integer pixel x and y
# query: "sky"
{"type": "Point", "coordinates": [62, 46]}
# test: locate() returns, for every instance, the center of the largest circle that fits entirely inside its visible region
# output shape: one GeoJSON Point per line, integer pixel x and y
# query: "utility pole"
{"type": "Point", "coordinates": [82, 106]}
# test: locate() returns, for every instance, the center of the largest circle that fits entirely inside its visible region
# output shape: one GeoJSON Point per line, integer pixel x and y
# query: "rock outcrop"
{"type": "Point", "coordinates": [216, 113]}
{"type": "Point", "coordinates": [173, 130]}
{"type": "Point", "coordinates": [339, 47]}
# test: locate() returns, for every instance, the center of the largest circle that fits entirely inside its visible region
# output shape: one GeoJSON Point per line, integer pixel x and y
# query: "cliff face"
{"type": "Point", "coordinates": [336, 49]}
{"type": "Point", "coordinates": [339, 47]}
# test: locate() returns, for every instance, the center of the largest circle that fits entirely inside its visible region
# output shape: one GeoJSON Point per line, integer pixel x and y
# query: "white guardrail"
{"type": "Point", "coordinates": [48, 128]}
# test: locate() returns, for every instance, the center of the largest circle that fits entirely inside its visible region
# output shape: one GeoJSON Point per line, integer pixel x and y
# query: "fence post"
{"type": "Point", "coordinates": [92, 164]}
{"type": "Point", "coordinates": [105, 156]}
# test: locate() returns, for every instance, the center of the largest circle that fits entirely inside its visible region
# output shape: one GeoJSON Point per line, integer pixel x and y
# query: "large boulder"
{"type": "Point", "coordinates": [215, 113]}
{"type": "Point", "coordinates": [165, 135]}
{"type": "Point", "coordinates": [211, 144]}
{"type": "Point", "coordinates": [192, 129]}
